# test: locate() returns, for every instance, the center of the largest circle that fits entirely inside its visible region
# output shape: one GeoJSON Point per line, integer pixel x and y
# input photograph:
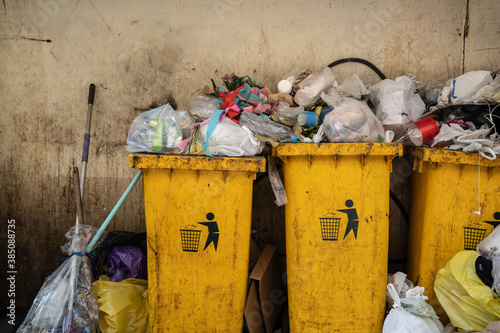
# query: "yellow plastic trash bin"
{"type": "Point", "coordinates": [337, 234]}
{"type": "Point", "coordinates": [198, 216]}
{"type": "Point", "coordinates": [447, 189]}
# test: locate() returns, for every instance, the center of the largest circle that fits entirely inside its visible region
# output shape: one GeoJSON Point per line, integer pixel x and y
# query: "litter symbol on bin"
{"type": "Point", "coordinates": [329, 228]}
{"type": "Point", "coordinates": [352, 219]}
{"type": "Point", "coordinates": [213, 231]}
{"type": "Point", "coordinates": [190, 238]}
{"type": "Point", "coordinates": [472, 237]}
{"type": "Point", "coordinates": [495, 223]}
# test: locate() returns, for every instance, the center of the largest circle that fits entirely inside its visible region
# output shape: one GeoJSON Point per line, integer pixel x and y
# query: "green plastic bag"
{"type": "Point", "coordinates": [465, 298]}
{"type": "Point", "coordinates": [123, 306]}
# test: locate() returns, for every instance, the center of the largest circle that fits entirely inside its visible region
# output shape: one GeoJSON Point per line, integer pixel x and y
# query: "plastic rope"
{"type": "Point", "coordinates": [81, 254]}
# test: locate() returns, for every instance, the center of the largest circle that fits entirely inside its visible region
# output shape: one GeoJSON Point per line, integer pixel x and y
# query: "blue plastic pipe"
{"type": "Point", "coordinates": [113, 212]}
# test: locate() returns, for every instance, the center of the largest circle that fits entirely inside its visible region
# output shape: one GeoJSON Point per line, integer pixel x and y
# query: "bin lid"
{"type": "Point", "coordinates": [201, 163]}
{"type": "Point", "coordinates": [339, 149]}
{"type": "Point", "coordinates": [442, 155]}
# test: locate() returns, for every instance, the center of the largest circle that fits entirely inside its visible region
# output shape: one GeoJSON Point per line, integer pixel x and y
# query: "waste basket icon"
{"type": "Point", "coordinates": [190, 239]}
{"type": "Point", "coordinates": [330, 228]}
{"type": "Point", "coordinates": [472, 237]}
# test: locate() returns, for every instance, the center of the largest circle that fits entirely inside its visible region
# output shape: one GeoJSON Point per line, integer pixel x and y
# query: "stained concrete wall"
{"type": "Point", "coordinates": [140, 53]}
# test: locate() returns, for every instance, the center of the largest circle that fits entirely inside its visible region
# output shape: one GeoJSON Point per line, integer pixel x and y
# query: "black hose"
{"type": "Point", "coordinates": [361, 61]}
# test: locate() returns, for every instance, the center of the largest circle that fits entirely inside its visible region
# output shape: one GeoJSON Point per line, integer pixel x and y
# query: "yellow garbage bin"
{"type": "Point", "coordinates": [448, 186]}
{"type": "Point", "coordinates": [337, 234]}
{"type": "Point", "coordinates": [198, 216]}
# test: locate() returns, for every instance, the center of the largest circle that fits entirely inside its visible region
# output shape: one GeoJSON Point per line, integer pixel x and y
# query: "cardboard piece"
{"type": "Point", "coordinates": [266, 294]}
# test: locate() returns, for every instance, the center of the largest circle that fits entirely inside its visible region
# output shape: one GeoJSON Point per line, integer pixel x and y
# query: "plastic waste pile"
{"type": "Point", "coordinates": [241, 117]}
{"type": "Point", "coordinates": [467, 287]}
{"type": "Point", "coordinates": [409, 311]}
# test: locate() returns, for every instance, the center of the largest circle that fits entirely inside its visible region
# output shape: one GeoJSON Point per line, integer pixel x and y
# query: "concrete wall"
{"type": "Point", "coordinates": [139, 53]}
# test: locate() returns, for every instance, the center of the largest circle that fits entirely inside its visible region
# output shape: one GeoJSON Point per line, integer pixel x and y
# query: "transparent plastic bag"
{"type": "Point", "coordinates": [203, 106]}
{"type": "Point", "coordinates": [309, 93]}
{"type": "Point", "coordinates": [287, 115]}
{"type": "Point", "coordinates": [265, 127]}
{"type": "Point", "coordinates": [67, 287]}
{"type": "Point", "coordinates": [354, 87]}
{"type": "Point", "coordinates": [276, 183]}
{"type": "Point", "coordinates": [159, 130]}
{"type": "Point", "coordinates": [352, 121]}
{"type": "Point", "coordinates": [230, 139]}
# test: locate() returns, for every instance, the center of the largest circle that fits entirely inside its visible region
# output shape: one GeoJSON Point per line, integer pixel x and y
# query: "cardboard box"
{"type": "Point", "coordinates": [266, 294]}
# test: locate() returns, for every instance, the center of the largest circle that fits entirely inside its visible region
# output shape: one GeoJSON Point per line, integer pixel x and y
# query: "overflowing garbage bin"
{"type": "Point", "coordinates": [337, 234]}
{"type": "Point", "coordinates": [455, 205]}
{"type": "Point", "coordinates": [198, 219]}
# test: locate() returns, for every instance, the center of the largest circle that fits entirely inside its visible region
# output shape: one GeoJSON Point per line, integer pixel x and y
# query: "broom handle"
{"type": "Point", "coordinates": [86, 141]}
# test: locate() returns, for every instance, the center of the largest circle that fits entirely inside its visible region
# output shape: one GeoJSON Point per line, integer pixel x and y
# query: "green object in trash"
{"type": "Point", "coordinates": [158, 142]}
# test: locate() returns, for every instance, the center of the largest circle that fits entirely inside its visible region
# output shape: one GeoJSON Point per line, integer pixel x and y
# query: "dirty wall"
{"type": "Point", "coordinates": [142, 53]}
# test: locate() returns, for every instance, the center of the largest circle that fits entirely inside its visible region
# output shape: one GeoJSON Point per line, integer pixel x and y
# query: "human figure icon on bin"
{"type": "Point", "coordinates": [352, 219]}
{"type": "Point", "coordinates": [190, 235]}
{"type": "Point", "coordinates": [495, 223]}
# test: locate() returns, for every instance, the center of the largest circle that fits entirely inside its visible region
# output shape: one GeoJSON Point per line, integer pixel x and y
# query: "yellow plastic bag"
{"type": "Point", "coordinates": [123, 306]}
{"type": "Point", "coordinates": [462, 294]}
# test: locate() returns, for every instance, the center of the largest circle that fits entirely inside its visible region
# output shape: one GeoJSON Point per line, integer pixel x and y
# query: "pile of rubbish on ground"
{"type": "Point", "coordinates": [240, 117]}
{"type": "Point", "coordinates": [467, 289]}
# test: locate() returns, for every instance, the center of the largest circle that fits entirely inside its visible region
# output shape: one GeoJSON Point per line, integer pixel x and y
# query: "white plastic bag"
{"type": "Point", "coordinates": [352, 121]}
{"type": "Point", "coordinates": [401, 321]}
{"type": "Point", "coordinates": [230, 139]}
{"type": "Point", "coordinates": [353, 87]}
{"type": "Point", "coordinates": [318, 82]}
{"type": "Point", "coordinates": [464, 87]}
{"type": "Point", "coordinates": [397, 100]}
{"type": "Point", "coordinates": [159, 130]}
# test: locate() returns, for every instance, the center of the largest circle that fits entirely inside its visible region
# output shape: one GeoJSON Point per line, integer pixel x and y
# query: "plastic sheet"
{"type": "Point", "coordinates": [159, 130]}
{"type": "Point", "coordinates": [352, 121]}
{"type": "Point", "coordinates": [67, 287]}
{"type": "Point", "coordinates": [123, 305]}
